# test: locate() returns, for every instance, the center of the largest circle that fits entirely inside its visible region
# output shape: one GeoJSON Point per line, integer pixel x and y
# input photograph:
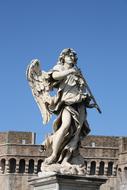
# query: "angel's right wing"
{"type": "Point", "coordinates": [40, 86]}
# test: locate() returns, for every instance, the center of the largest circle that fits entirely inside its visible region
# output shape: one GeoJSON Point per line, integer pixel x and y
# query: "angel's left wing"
{"type": "Point", "coordinates": [40, 86]}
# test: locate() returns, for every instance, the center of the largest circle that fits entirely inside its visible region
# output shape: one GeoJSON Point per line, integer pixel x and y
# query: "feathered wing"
{"type": "Point", "coordinates": [40, 86]}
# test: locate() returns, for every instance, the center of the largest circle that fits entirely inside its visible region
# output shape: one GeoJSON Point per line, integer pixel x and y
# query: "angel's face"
{"type": "Point", "coordinates": [69, 59]}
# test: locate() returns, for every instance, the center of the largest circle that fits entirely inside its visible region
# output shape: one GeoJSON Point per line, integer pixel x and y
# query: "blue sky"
{"type": "Point", "coordinates": [96, 29]}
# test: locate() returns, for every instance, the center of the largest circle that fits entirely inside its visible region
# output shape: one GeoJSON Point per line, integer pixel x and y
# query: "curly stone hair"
{"type": "Point", "coordinates": [67, 51]}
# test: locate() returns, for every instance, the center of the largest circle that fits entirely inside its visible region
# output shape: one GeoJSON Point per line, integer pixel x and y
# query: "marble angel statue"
{"type": "Point", "coordinates": [69, 104]}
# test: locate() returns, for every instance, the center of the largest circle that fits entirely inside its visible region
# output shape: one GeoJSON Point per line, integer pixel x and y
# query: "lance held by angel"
{"type": "Point", "coordinates": [72, 99]}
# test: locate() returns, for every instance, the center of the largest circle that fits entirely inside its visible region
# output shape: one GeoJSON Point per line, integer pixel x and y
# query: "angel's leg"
{"type": "Point", "coordinates": [74, 141]}
{"type": "Point", "coordinates": [58, 137]}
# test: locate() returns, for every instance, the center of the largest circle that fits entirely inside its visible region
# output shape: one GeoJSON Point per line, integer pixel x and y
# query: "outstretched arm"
{"type": "Point", "coordinates": [59, 75]}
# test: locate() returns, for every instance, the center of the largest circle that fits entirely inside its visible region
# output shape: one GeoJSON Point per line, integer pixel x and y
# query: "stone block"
{"type": "Point", "coordinates": [66, 182]}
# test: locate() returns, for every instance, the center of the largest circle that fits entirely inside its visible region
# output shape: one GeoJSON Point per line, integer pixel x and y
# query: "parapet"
{"type": "Point", "coordinates": [17, 137]}
{"type": "Point", "coordinates": [101, 141]}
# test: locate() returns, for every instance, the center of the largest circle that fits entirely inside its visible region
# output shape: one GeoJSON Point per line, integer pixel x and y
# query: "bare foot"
{"type": "Point", "coordinates": [50, 160]}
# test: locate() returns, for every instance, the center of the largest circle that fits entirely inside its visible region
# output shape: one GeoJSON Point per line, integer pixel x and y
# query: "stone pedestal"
{"type": "Point", "coordinates": [66, 182]}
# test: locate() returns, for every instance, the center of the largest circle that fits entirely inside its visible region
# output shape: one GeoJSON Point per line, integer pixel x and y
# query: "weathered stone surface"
{"type": "Point", "coordinates": [17, 137]}
{"type": "Point", "coordinates": [14, 182]}
{"type": "Point", "coordinates": [70, 102]}
{"type": "Point", "coordinates": [105, 149]}
{"type": "Point", "coordinates": [66, 182]}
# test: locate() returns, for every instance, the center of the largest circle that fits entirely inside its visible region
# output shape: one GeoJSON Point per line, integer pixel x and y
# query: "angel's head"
{"type": "Point", "coordinates": [69, 56]}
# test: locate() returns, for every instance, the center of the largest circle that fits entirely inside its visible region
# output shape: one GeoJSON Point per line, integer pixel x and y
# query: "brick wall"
{"type": "Point", "coordinates": [99, 152]}
{"type": "Point", "coordinates": [101, 141]}
{"type": "Point", "coordinates": [3, 137]}
{"type": "Point", "coordinates": [23, 150]}
{"type": "Point", "coordinates": [17, 137]}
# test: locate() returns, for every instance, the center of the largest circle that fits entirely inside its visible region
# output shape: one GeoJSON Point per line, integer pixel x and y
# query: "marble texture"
{"type": "Point", "coordinates": [70, 104]}
{"type": "Point", "coordinates": [66, 182]}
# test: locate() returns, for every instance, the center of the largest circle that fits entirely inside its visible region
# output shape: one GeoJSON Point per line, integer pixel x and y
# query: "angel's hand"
{"type": "Point", "coordinates": [72, 71]}
{"type": "Point", "coordinates": [50, 100]}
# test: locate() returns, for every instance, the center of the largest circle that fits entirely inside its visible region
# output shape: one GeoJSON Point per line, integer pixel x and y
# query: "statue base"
{"type": "Point", "coordinates": [55, 181]}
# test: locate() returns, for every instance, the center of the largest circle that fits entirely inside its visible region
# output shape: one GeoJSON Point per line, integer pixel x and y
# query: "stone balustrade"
{"type": "Point", "coordinates": [31, 166]}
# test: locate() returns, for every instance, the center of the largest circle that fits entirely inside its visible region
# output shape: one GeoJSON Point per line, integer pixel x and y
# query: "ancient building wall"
{"type": "Point", "coordinates": [99, 152]}
{"type": "Point", "coordinates": [123, 144]}
{"type": "Point", "coordinates": [17, 137]}
{"type": "Point", "coordinates": [123, 158]}
{"type": "Point", "coordinates": [19, 161]}
{"type": "Point", "coordinates": [3, 137]}
{"type": "Point", "coordinates": [3, 150]}
{"type": "Point", "coordinates": [15, 182]}
{"type": "Point", "coordinates": [21, 150]}
{"type": "Point", "coordinates": [101, 141]}
{"type": "Point", "coordinates": [20, 165]}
